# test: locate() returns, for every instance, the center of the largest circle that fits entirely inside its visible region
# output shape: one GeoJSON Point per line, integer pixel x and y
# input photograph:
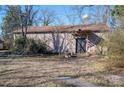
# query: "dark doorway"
{"type": "Point", "coordinates": [80, 45]}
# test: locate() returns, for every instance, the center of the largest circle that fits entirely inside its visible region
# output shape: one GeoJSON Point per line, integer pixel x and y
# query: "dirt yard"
{"type": "Point", "coordinates": [55, 71]}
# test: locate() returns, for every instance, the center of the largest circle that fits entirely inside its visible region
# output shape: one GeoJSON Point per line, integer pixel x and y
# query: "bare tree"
{"type": "Point", "coordinates": [27, 17]}
{"type": "Point", "coordinates": [97, 14]}
{"type": "Point", "coordinates": [47, 17]}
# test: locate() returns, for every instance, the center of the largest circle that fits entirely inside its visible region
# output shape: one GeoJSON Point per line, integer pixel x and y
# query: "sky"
{"type": "Point", "coordinates": [62, 11]}
{"type": "Point", "coordinates": [59, 9]}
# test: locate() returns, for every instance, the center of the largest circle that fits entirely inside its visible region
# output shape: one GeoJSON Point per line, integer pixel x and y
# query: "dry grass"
{"type": "Point", "coordinates": [40, 71]}
{"type": "Point", "coordinates": [101, 69]}
{"type": "Point", "coordinates": [33, 71]}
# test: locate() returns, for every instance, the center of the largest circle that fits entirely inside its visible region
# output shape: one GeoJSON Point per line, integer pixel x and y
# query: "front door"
{"type": "Point", "coordinates": [80, 45]}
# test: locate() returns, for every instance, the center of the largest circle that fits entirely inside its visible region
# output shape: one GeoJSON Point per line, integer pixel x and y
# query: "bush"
{"type": "Point", "coordinates": [19, 44]}
{"type": "Point", "coordinates": [36, 46]}
{"type": "Point", "coordinates": [29, 46]}
{"type": "Point", "coordinates": [115, 44]}
{"type": "Point", "coordinates": [6, 44]}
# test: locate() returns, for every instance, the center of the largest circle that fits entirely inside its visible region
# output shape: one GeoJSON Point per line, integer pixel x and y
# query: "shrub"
{"type": "Point", "coordinates": [115, 48]}
{"type": "Point", "coordinates": [6, 44]}
{"type": "Point", "coordinates": [29, 46]}
{"type": "Point", "coordinates": [36, 46]}
{"type": "Point", "coordinates": [115, 44]}
{"type": "Point", "coordinates": [19, 44]}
